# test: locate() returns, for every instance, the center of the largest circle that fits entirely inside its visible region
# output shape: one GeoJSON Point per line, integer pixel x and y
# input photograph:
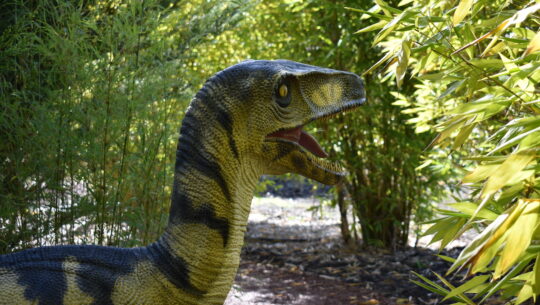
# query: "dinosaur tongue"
{"type": "Point", "coordinates": [301, 137]}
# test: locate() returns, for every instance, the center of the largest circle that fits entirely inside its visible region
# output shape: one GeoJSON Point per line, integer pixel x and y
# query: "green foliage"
{"type": "Point", "coordinates": [94, 91]}
{"type": "Point", "coordinates": [477, 69]}
{"type": "Point", "coordinates": [91, 97]}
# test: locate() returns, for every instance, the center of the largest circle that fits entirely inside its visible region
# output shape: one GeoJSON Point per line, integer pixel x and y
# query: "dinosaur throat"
{"type": "Point", "coordinates": [302, 138]}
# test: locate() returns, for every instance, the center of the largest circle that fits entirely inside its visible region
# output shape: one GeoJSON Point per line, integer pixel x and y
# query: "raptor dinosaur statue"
{"type": "Point", "coordinates": [245, 121]}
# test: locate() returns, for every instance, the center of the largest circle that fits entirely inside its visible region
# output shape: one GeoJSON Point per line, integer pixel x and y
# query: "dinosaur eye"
{"type": "Point", "coordinates": [283, 94]}
{"type": "Point", "coordinates": [283, 90]}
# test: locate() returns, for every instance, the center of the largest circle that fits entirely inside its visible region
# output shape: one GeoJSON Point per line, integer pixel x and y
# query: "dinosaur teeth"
{"type": "Point", "coordinates": [302, 138]}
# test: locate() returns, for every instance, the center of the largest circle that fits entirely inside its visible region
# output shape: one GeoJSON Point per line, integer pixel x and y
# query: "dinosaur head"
{"type": "Point", "coordinates": [280, 97]}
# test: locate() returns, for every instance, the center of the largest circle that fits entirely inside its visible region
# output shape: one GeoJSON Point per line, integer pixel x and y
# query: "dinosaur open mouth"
{"type": "Point", "coordinates": [302, 138]}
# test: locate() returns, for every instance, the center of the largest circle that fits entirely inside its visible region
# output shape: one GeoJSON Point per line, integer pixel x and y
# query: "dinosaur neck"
{"type": "Point", "coordinates": [210, 203]}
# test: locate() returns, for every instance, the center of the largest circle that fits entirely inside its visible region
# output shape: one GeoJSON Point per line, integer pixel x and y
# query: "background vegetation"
{"type": "Point", "coordinates": [93, 92]}
{"type": "Point", "coordinates": [92, 96]}
{"type": "Point", "coordinates": [477, 72]}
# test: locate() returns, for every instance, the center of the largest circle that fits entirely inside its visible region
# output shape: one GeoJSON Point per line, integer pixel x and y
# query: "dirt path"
{"type": "Point", "coordinates": [294, 256]}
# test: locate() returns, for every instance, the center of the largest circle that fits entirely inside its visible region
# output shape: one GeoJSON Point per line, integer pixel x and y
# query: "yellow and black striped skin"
{"type": "Point", "coordinates": [223, 149]}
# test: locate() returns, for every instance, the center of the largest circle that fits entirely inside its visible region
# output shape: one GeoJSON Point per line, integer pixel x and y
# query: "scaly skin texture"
{"type": "Point", "coordinates": [232, 133]}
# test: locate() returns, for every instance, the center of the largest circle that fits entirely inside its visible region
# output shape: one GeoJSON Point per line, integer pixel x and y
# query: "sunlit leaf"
{"type": "Point", "coordinates": [403, 62]}
{"type": "Point", "coordinates": [519, 237]}
{"type": "Point", "coordinates": [475, 281]}
{"type": "Point", "coordinates": [482, 105]}
{"type": "Point", "coordinates": [535, 283]}
{"type": "Point", "coordinates": [381, 61]}
{"type": "Point", "coordinates": [463, 135]}
{"type": "Point", "coordinates": [511, 166]}
{"type": "Point", "coordinates": [514, 140]}
{"type": "Point", "coordinates": [509, 276]}
{"type": "Point", "coordinates": [452, 232]}
{"type": "Point", "coordinates": [518, 17]}
{"type": "Point", "coordinates": [485, 257]}
{"type": "Point", "coordinates": [446, 258]}
{"type": "Point", "coordinates": [462, 10]}
{"type": "Point", "coordinates": [488, 236]}
{"type": "Point", "coordinates": [469, 208]}
{"type": "Point", "coordinates": [389, 27]}
{"type": "Point", "coordinates": [499, 28]}
{"type": "Point", "coordinates": [373, 27]}
{"type": "Point", "coordinates": [534, 45]}
{"type": "Point", "coordinates": [460, 296]}
{"type": "Point", "coordinates": [480, 173]}
{"type": "Point", "coordinates": [510, 193]}
{"type": "Point", "coordinates": [387, 9]}
{"type": "Point", "coordinates": [524, 294]}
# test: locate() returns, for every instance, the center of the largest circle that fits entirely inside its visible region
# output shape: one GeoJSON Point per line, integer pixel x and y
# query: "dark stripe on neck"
{"type": "Point", "coordinates": [41, 271]}
{"type": "Point", "coordinates": [212, 103]}
{"type": "Point", "coordinates": [100, 267]}
{"type": "Point", "coordinates": [191, 154]}
{"type": "Point", "coordinates": [183, 211]}
{"type": "Point", "coordinates": [36, 277]}
{"type": "Point", "coordinates": [173, 267]}
{"type": "Point", "coordinates": [224, 119]}
{"type": "Point", "coordinates": [221, 114]}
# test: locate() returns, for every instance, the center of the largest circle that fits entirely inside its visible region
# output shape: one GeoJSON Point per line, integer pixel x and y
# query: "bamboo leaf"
{"type": "Point", "coordinates": [372, 14]}
{"type": "Point", "coordinates": [427, 287]}
{"type": "Point", "coordinates": [497, 285]}
{"type": "Point", "coordinates": [525, 293]}
{"type": "Point", "coordinates": [436, 287]}
{"type": "Point", "coordinates": [462, 10]}
{"type": "Point", "coordinates": [480, 173]}
{"type": "Point", "coordinates": [510, 193]}
{"type": "Point", "coordinates": [536, 280]}
{"type": "Point", "coordinates": [472, 283]}
{"type": "Point", "coordinates": [462, 136]}
{"type": "Point", "coordinates": [495, 239]}
{"type": "Point", "coordinates": [387, 9]}
{"type": "Point", "coordinates": [534, 45]}
{"type": "Point", "coordinates": [460, 296]}
{"type": "Point", "coordinates": [499, 28]}
{"type": "Point", "coordinates": [452, 232]}
{"type": "Point", "coordinates": [387, 29]}
{"type": "Point", "coordinates": [469, 208]}
{"type": "Point", "coordinates": [381, 61]}
{"type": "Point", "coordinates": [484, 258]}
{"type": "Point", "coordinates": [519, 237]}
{"type": "Point", "coordinates": [511, 166]}
{"type": "Point", "coordinates": [446, 258]}
{"type": "Point", "coordinates": [373, 27]}
{"type": "Point", "coordinates": [518, 17]}
{"type": "Point", "coordinates": [489, 236]}
{"type": "Point", "coordinates": [513, 141]}
{"type": "Point", "coordinates": [403, 61]}
{"type": "Point", "coordinates": [487, 102]}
